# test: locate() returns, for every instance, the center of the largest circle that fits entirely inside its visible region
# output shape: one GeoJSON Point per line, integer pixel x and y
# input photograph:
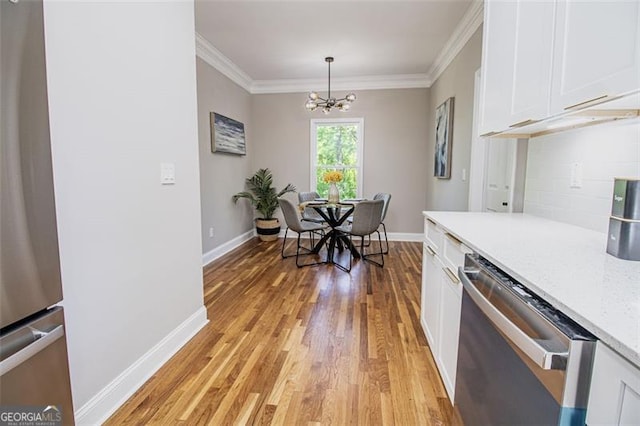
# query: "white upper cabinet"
{"type": "Point", "coordinates": [544, 58]}
{"type": "Point", "coordinates": [532, 62]}
{"type": "Point", "coordinates": [516, 63]}
{"type": "Point", "coordinates": [498, 47]}
{"type": "Point", "coordinates": [597, 52]}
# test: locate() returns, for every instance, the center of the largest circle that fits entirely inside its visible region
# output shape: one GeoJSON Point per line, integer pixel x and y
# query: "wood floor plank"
{"type": "Point", "coordinates": [309, 346]}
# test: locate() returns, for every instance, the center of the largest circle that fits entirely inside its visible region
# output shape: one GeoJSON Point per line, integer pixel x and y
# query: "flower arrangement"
{"type": "Point", "coordinates": [332, 176]}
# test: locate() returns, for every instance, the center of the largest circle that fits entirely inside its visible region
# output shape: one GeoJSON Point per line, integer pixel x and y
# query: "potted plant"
{"type": "Point", "coordinates": [264, 198]}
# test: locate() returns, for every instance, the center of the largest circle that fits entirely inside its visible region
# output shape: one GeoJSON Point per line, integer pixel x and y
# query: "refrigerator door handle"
{"type": "Point", "coordinates": [29, 351]}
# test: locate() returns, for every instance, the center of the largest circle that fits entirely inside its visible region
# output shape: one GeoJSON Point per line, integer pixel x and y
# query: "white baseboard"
{"type": "Point", "coordinates": [98, 409]}
{"type": "Point", "coordinates": [225, 248]}
{"type": "Point", "coordinates": [405, 236]}
{"type": "Point", "coordinates": [393, 236]}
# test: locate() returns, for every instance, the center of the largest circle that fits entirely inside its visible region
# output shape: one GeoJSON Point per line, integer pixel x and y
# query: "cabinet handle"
{"type": "Point", "coordinates": [584, 103]}
{"type": "Point", "coordinates": [455, 240]}
{"type": "Point", "coordinates": [454, 279]}
{"type": "Point", "coordinates": [430, 250]}
{"type": "Point", "coordinates": [486, 135]}
{"type": "Point", "coordinates": [431, 221]}
{"type": "Point", "coordinates": [523, 123]}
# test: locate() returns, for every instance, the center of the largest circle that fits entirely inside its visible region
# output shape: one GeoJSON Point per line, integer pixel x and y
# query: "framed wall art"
{"type": "Point", "coordinates": [227, 135]}
{"type": "Point", "coordinates": [444, 134]}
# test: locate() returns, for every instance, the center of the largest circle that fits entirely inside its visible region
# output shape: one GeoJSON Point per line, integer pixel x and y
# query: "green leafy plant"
{"type": "Point", "coordinates": [262, 194]}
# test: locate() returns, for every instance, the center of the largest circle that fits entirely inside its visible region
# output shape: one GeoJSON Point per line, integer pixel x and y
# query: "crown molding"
{"type": "Point", "coordinates": [371, 82]}
{"type": "Point", "coordinates": [468, 25]}
{"type": "Point", "coordinates": [215, 58]}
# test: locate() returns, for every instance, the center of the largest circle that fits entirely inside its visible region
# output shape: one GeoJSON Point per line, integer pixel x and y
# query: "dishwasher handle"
{"type": "Point", "coordinates": [543, 358]}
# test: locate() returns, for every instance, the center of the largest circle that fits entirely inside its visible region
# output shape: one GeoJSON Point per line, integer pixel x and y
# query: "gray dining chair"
{"type": "Point", "coordinates": [309, 214]}
{"type": "Point", "coordinates": [386, 198]}
{"type": "Point", "coordinates": [366, 220]}
{"type": "Point", "coordinates": [294, 223]}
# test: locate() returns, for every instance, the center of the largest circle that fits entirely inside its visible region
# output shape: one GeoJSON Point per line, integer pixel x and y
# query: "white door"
{"type": "Point", "coordinates": [499, 174]}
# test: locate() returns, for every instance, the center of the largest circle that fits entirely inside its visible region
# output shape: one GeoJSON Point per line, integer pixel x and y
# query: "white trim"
{"type": "Point", "coordinates": [477, 165]}
{"type": "Point", "coordinates": [215, 58]}
{"type": "Point", "coordinates": [98, 409]}
{"type": "Point", "coordinates": [225, 248]}
{"type": "Point", "coordinates": [405, 236]}
{"type": "Point", "coordinates": [393, 236]}
{"type": "Point", "coordinates": [314, 123]}
{"type": "Point", "coordinates": [370, 82]}
{"type": "Point", "coordinates": [467, 26]}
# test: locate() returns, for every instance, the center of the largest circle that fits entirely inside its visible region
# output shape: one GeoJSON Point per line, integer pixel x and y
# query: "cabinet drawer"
{"type": "Point", "coordinates": [453, 251]}
{"type": "Point", "coordinates": [433, 236]}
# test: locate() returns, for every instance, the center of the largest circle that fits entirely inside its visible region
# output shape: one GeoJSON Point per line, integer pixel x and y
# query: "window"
{"type": "Point", "coordinates": [336, 144]}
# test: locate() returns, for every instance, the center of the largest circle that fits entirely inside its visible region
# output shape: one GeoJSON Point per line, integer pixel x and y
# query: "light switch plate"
{"type": "Point", "coordinates": [167, 173]}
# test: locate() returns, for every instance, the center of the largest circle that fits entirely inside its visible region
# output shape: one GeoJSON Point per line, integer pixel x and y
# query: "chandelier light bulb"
{"type": "Point", "coordinates": [313, 96]}
{"type": "Point", "coordinates": [326, 109]}
{"type": "Point", "coordinates": [343, 107]}
{"type": "Point", "coordinates": [311, 105]}
{"type": "Point", "coordinates": [351, 97]}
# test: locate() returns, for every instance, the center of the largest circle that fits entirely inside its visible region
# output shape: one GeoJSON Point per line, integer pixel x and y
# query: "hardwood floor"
{"type": "Point", "coordinates": [289, 346]}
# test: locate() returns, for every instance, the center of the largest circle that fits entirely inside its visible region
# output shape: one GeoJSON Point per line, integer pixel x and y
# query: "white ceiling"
{"type": "Point", "coordinates": [278, 41]}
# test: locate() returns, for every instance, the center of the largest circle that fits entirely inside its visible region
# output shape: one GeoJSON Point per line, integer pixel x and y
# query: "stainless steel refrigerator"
{"type": "Point", "coordinates": [34, 372]}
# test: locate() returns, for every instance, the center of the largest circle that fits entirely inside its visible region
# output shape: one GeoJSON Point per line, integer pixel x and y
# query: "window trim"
{"type": "Point", "coordinates": [314, 124]}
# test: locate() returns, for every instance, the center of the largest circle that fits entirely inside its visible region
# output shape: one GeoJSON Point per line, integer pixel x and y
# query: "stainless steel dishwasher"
{"type": "Point", "coordinates": [520, 361]}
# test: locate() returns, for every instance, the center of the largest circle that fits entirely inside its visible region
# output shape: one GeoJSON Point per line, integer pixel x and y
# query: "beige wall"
{"type": "Point", "coordinates": [398, 146]}
{"type": "Point", "coordinates": [396, 157]}
{"type": "Point", "coordinates": [457, 81]}
{"type": "Point", "coordinates": [222, 175]}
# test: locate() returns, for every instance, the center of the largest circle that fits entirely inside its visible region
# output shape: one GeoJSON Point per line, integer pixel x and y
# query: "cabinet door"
{"type": "Point", "coordinates": [597, 52]}
{"type": "Point", "coordinates": [516, 63]}
{"type": "Point", "coordinates": [450, 310]}
{"type": "Point", "coordinates": [430, 295]}
{"type": "Point", "coordinates": [498, 49]}
{"type": "Point", "coordinates": [531, 82]}
{"type": "Point", "coordinates": [614, 398]}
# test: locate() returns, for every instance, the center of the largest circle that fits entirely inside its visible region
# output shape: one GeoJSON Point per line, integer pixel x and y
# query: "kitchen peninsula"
{"type": "Point", "coordinates": [567, 266]}
{"type": "Point", "coordinates": [564, 264]}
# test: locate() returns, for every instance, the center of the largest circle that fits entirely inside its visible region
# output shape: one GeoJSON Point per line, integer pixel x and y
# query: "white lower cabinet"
{"type": "Point", "coordinates": [614, 398]}
{"type": "Point", "coordinates": [441, 301]}
{"type": "Point", "coordinates": [430, 295]}
{"type": "Point", "coordinates": [450, 304]}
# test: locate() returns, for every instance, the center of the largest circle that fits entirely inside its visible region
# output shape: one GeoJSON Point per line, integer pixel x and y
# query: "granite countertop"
{"type": "Point", "coordinates": [566, 265]}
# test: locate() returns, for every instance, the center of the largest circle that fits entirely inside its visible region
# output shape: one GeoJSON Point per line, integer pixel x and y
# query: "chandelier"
{"type": "Point", "coordinates": [315, 101]}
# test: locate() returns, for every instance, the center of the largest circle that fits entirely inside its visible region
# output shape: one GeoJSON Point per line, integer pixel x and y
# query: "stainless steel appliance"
{"type": "Point", "coordinates": [520, 361]}
{"type": "Point", "coordinates": [33, 355]}
{"type": "Point", "coordinates": [624, 223]}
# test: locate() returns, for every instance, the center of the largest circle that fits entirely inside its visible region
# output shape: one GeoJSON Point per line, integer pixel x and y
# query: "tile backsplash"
{"type": "Point", "coordinates": [570, 175]}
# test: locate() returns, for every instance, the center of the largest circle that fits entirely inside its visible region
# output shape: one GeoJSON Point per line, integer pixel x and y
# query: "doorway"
{"type": "Point", "coordinates": [497, 169]}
